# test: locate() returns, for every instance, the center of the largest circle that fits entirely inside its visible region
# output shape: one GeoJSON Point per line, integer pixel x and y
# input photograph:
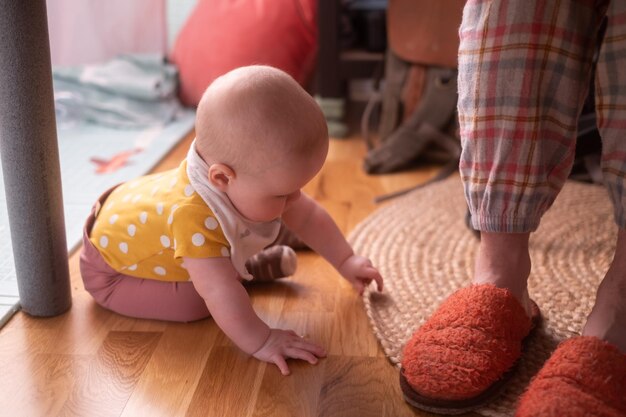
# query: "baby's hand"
{"type": "Point", "coordinates": [283, 344]}
{"type": "Point", "coordinates": [359, 272]}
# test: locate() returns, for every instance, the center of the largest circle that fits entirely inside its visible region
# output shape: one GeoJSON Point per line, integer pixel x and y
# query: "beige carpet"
{"type": "Point", "coordinates": [425, 252]}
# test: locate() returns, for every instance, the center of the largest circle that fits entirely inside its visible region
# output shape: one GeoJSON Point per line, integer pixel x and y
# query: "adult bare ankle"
{"type": "Point", "coordinates": [607, 319]}
{"type": "Point", "coordinates": [503, 260]}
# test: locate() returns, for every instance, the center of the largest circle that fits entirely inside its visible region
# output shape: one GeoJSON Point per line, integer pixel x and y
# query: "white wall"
{"type": "Point", "coordinates": [92, 31]}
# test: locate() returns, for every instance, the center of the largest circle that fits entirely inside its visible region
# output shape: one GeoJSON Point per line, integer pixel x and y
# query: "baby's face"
{"type": "Point", "coordinates": [265, 197]}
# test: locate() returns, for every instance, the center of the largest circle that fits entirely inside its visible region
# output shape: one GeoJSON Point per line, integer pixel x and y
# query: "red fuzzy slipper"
{"type": "Point", "coordinates": [461, 357]}
{"type": "Point", "coordinates": [585, 376]}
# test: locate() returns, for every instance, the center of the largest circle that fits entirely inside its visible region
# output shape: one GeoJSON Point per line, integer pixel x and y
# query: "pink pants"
{"type": "Point", "coordinates": [132, 296]}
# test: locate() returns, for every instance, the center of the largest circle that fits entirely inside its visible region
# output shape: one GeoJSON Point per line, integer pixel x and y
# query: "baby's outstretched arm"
{"type": "Point", "coordinates": [217, 282]}
{"type": "Point", "coordinates": [312, 223]}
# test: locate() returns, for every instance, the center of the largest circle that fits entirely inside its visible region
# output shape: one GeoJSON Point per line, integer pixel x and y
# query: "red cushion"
{"type": "Point", "coordinates": [221, 35]}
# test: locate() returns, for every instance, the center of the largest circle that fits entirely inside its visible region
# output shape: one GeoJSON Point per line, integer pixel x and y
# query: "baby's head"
{"type": "Point", "coordinates": [255, 117]}
{"type": "Point", "coordinates": [258, 130]}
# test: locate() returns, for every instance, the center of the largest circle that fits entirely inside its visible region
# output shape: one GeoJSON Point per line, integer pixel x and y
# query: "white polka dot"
{"type": "Point", "coordinates": [104, 241]}
{"type": "Point", "coordinates": [159, 270]}
{"type": "Point", "coordinates": [225, 251]}
{"type": "Point", "coordinates": [170, 218]}
{"type": "Point", "coordinates": [197, 239]}
{"type": "Point", "coordinates": [188, 190]}
{"type": "Point", "coordinates": [110, 205]}
{"type": "Point", "coordinates": [210, 223]}
{"type": "Point", "coordinates": [165, 241]}
{"type": "Point", "coordinates": [124, 247]}
{"type": "Point", "coordinates": [173, 182]}
{"type": "Point", "coordinates": [143, 217]}
{"type": "Point", "coordinates": [132, 229]}
{"type": "Point", "coordinates": [127, 197]}
{"type": "Point", "coordinates": [113, 218]}
{"type": "Point", "coordinates": [132, 267]}
{"type": "Point", "coordinates": [159, 208]}
{"type": "Point", "coordinates": [136, 198]}
{"type": "Point", "coordinates": [154, 190]}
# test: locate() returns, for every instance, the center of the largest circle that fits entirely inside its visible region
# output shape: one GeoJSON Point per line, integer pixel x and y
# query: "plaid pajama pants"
{"type": "Point", "coordinates": [524, 72]}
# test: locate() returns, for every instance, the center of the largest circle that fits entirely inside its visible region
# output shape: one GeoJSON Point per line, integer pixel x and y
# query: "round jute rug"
{"type": "Point", "coordinates": [425, 252]}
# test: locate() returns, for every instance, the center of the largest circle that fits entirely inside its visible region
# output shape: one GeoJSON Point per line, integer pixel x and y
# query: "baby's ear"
{"type": "Point", "coordinates": [220, 176]}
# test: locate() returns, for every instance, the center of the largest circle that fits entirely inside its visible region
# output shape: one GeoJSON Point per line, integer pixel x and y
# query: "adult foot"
{"type": "Point", "coordinates": [607, 320]}
{"type": "Point", "coordinates": [503, 260]}
{"type": "Point", "coordinates": [464, 354]}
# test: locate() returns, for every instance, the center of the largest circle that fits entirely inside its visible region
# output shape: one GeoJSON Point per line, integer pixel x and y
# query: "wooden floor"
{"type": "Point", "coordinates": [91, 362]}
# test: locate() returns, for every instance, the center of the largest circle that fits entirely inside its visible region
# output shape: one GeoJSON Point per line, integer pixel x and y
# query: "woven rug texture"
{"type": "Point", "coordinates": [425, 252]}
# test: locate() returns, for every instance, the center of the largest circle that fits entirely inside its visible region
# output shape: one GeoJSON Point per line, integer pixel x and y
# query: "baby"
{"type": "Point", "coordinates": [177, 245]}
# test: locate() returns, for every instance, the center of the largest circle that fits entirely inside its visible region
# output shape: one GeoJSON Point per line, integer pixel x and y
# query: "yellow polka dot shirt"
{"type": "Point", "coordinates": [147, 225]}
